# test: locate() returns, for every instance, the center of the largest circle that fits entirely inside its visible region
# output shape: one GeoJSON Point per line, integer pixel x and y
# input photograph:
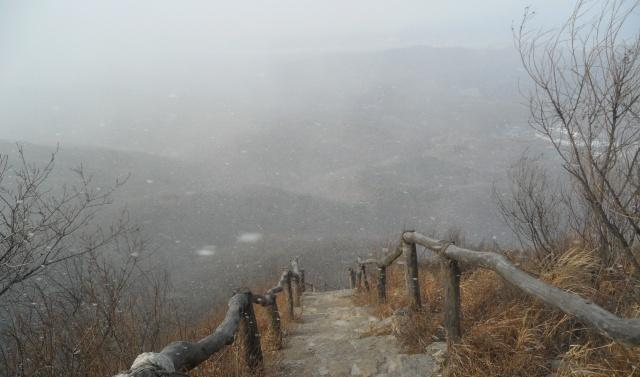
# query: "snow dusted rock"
{"type": "Point", "coordinates": [418, 365]}
{"type": "Point", "coordinates": [153, 359]}
{"type": "Point", "coordinates": [378, 328]}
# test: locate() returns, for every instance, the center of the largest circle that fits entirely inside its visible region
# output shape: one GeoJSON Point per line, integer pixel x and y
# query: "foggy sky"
{"type": "Point", "coordinates": [61, 27]}
{"type": "Point", "coordinates": [49, 48]}
{"type": "Point", "coordinates": [307, 96]}
{"type": "Point", "coordinates": [37, 37]}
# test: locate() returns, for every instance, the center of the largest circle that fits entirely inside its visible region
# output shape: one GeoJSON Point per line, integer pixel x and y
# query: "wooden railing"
{"type": "Point", "coordinates": [181, 356]}
{"type": "Point", "coordinates": [625, 331]}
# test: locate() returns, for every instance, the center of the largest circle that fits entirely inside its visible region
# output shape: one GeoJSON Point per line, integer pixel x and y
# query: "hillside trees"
{"type": "Point", "coordinates": [41, 225]}
{"type": "Point", "coordinates": [75, 291]}
{"type": "Point", "coordinates": [585, 101]}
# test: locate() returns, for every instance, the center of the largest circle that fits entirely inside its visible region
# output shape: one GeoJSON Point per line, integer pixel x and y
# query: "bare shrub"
{"type": "Point", "coordinates": [585, 101]}
{"type": "Point", "coordinates": [76, 299]}
{"type": "Point", "coordinates": [41, 225]}
{"type": "Point", "coordinates": [533, 208]}
{"type": "Point", "coordinates": [89, 317]}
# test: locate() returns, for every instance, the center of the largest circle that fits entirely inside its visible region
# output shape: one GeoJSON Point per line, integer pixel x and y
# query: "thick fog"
{"type": "Point", "coordinates": [272, 128]}
{"type": "Point", "coordinates": [93, 73]}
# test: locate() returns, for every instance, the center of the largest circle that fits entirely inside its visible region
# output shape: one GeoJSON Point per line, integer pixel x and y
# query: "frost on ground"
{"type": "Point", "coordinates": [332, 341]}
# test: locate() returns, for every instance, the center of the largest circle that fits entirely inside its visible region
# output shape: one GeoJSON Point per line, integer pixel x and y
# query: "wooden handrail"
{"type": "Point", "coordinates": [385, 261]}
{"type": "Point", "coordinates": [269, 297]}
{"type": "Point", "coordinates": [623, 330]}
{"type": "Point", "coordinates": [187, 355]}
{"type": "Point", "coordinates": [381, 265]}
{"type": "Point", "coordinates": [182, 356]}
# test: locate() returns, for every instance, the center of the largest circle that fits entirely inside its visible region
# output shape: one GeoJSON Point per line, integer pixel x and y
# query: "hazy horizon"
{"type": "Point", "coordinates": [353, 108]}
{"type": "Point", "coordinates": [54, 54]}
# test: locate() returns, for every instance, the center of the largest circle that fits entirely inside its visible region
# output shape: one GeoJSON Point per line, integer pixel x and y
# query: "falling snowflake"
{"type": "Point", "coordinates": [249, 237]}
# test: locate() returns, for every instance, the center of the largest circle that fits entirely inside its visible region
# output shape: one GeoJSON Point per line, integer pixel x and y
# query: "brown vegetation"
{"type": "Point", "coordinates": [78, 296]}
{"type": "Point", "coordinates": [230, 362]}
{"type": "Point", "coordinates": [109, 329]}
{"type": "Point", "coordinates": [506, 333]}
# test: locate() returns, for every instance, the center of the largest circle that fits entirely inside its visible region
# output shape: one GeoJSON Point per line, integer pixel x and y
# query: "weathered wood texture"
{"type": "Point", "coordinates": [626, 331]}
{"type": "Point", "coordinates": [382, 284]}
{"type": "Point", "coordinates": [364, 279]}
{"type": "Point", "coordinates": [297, 285]}
{"type": "Point", "coordinates": [413, 284]}
{"type": "Point", "coordinates": [296, 291]}
{"type": "Point", "coordinates": [452, 300]}
{"type": "Point", "coordinates": [251, 337]}
{"type": "Point", "coordinates": [288, 291]}
{"type": "Point", "coordinates": [385, 261]}
{"type": "Point", "coordinates": [274, 325]}
{"type": "Point", "coordinates": [295, 266]}
{"type": "Point", "coordinates": [352, 278]}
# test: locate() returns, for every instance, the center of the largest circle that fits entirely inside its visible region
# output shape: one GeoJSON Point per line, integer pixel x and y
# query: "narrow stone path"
{"type": "Point", "coordinates": [331, 341]}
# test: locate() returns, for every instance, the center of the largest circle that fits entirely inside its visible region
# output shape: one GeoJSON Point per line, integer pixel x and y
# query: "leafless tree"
{"type": "Point", "coordinates": [89, 318]}
{"type": "Point", "coordinates": [40, 225]}
{"type": "Point", "coordinates": [533, 207]}
{"type": "Point", "coordinates": [585, 101]}
{"type": "Point", "coordinates": [76, 299]}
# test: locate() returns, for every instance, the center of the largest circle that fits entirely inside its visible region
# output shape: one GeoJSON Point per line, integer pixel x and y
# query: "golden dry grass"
{"type": "Point", "coordinates": [230, 362]}
{"type": "Point", "coordinates": [508, 334]}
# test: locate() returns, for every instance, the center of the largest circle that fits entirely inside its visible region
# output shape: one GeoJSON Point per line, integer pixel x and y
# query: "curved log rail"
{"type": "Point", "coordinates": [181, 356]}
{"type": "Point", "coordinates": [622, 330]}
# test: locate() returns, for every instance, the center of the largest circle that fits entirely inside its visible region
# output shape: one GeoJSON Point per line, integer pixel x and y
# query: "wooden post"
{"type": "Point", "coordinates": [452, 301]}
{"type": "Point", "coordinates": [365, 281]}
{"type": "Point", "coordinates": [302, 282]}
{"type": "Point", "coordinates": [295, 279]}
{"type": "Point", "coordinates": [382, 282]}
{"type": "Point", "coordinates": [352, 278]}
{"type": "Point", "coordinates": [276, 328]}
{"type": "Point", "coordinates": [359, 279]}
{"type": "Point", "coordinates": [249, 328]}
{"type": "Point", "coordinates": [289, 293]}
{"type": "Point", "coordinates": [413, 285]}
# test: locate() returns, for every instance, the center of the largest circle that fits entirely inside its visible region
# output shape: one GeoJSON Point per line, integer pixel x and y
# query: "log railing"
{"type": "Point", "coordinates": [448, 255]}
{"type": "Point", "coordinates": [381, 265]}
{"type": "Point", "coordinates": [181, 356]}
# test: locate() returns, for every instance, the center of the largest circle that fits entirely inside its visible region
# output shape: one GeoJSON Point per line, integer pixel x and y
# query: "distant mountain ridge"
{"type": "Point", "coordinates": [315, 147]}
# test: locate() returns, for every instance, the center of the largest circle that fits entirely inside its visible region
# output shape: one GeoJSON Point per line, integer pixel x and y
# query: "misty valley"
{"type": "Point", "coordinates": [313, 171]}
{"type": "Point", "coordinates": [303, 189]}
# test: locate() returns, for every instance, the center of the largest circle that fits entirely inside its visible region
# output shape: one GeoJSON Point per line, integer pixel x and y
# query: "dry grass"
{"type": "Point", "coordinates": [230, 362]}
{"type": "Point", "coordinates": [506, 333]}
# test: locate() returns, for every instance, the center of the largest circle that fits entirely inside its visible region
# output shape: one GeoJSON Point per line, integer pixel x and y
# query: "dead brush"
{"type": "Point", "coordinates": [507, 333]}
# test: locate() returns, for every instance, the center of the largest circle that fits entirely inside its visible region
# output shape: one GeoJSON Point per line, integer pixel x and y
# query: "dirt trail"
{"type": "Point", "coordinates": [330, 341]}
